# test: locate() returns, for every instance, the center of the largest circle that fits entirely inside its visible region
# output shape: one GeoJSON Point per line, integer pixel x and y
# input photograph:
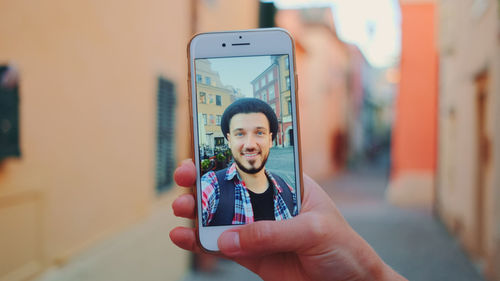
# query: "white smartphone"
{"type": "Point", "coordinates": [243, 96]}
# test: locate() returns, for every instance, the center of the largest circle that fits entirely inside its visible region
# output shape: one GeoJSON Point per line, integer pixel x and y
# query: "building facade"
{"type": "Point", "coordinates": [322, 70]}
{"type": "Point", "coordinates": [446, 139]}
{"type": "Point", "coordinates": [285, 102]}
{"type": "Point", "coordinates": [414, 139]}
{"type": "Point", "coordinates": [80, 201]}
{"type": "Point", "coordinates": [468, 169]}
{"type": "Point", "coordinates": [213, 98]}
{"type": "Point", "coordinates": [273, 87]}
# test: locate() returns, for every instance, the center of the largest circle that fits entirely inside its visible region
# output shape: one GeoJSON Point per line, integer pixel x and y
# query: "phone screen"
{"type": "Point", "coordinates": [245, 139]}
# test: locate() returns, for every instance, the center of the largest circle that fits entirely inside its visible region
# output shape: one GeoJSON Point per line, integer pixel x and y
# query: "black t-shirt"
{"type": "Point", "coordinates": [263, 204]}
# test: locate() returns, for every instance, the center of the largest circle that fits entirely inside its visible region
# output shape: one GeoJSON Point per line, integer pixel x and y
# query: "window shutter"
{"type": "Point", "coordinates": [165, 151]}
{"type": "Point", "coordinates": [9, 119]}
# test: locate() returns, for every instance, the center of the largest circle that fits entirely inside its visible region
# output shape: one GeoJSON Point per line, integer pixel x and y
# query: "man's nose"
{"type": "Point", "coordinates": [250, 142]}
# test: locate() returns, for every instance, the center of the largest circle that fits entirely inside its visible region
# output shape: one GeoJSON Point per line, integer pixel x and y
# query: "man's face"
{"type": "Point", "coordinates": [249, 138]}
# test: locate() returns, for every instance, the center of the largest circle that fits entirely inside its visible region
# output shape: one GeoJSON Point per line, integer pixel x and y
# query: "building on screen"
{"type": "Point", "coordinates": [273, 87]}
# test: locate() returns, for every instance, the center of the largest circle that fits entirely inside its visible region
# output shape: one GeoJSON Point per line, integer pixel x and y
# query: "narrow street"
{"type": "Point", "coordinates": [280, 161]}
{"type": "Point", "coordinates": [411, 241]}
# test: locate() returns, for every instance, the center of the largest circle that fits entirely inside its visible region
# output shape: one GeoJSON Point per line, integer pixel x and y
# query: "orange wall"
{"type": "Point", "coordinates": [414, 133]}
{"type": "Point", "coordinates": [88, 84]}
{"type": "Point", "coordinates": [88, 80]}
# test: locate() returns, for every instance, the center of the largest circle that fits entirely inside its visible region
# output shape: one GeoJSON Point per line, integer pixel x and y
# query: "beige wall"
{"type": "Point", "coordinates": [218, 15]}
{"type": "Point", "coordinates": [322, 65]}
{"type": "Point", "coordinates": [495, 256]}
{"type": "Point", "coordinates": [323, 100]}
{"type": "Point", "coordinates": [212, 108]}
{"type": "Point", "coordinates": [88, 73]}
{"type": "Point", "coordinates": [468, 46]}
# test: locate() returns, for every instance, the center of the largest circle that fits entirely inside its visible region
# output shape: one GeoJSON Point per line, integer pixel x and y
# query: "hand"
{"type": "Point", "coordinates": [317, 244]}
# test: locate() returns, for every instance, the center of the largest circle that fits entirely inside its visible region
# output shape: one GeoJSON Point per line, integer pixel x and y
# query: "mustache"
{"type": "Point", "coordinates": [252, 170]}
{"type": "Point", "coordinates": [251, 151]}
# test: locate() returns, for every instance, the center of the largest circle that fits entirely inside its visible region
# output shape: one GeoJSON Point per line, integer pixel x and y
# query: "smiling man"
{"type": "Point", "coordinates": [245, 191]}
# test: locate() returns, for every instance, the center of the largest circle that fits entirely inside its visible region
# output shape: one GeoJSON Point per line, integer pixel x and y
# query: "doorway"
{"type": "Point", "coordinates": [483, 154]}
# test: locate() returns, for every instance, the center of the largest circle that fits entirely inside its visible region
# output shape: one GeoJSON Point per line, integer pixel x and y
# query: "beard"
{"type": "Point", "coordinates": [253, 170]}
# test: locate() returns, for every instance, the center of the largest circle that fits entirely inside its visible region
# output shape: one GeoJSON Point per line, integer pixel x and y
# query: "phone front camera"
{"type": "Point", "coordinates": [241, 37]}
{"type": "Point", "coordinates": [223, 44]}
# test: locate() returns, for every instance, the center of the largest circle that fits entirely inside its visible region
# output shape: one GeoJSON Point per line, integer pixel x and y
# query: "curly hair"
{"type": "Point", "coordinates": [249, 105]}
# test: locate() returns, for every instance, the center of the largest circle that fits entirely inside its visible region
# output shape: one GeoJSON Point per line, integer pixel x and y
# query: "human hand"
{"type": "Point", "coordinates": [317, 244]}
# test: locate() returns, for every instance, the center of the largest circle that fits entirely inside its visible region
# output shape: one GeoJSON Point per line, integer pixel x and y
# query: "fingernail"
{"type": "Point", "coordinates": [229, 243]}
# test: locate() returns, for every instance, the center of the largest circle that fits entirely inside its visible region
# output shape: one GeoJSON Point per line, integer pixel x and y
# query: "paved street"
{"type": "Point", "coordinates": [280, 161]}
{"type": "Point", "coordinates": [413, 242]}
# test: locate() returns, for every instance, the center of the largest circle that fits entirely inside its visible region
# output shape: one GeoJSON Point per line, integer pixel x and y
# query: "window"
{"type": "Point", "coordinates": [199, 78]}
{"type": "Point", "coordinates": [210, 98]}
{"type": "Point", "coordinates": [219, 141]}
{"type": "Point", "coordinates": [203, 97]}
{"type": "Point", "coordinates": [9, 113]}
{"type": "Point", "coordinates": [287, 63]}
{"type": "Point", "coordinates": [271, 92]}
{"type": "Point", "coordinates": [288, 83]}
{"type": "Point", "coordinates": [205, 121]}
{"type": "Point", "coordinates": [208, 81]}
{"type": "Point", "coordinates": [264, 95]}
{"type": "Point", "coordinates": [270, 76]}
{"type": "Point", "coordinates": [273, 106]}
{"type": "Point", "coordinates": [289, 106]}
{"type": "Point", "coordinates": [211, 119]}
{"type": "Point", "coordinates": [260, 86]}
{"type": "Point", "coordinates": [217, 120]}
{"type": "Point", "coordinates": [218, 100]}
{"type": "Point", "coordinates": [165, 147]}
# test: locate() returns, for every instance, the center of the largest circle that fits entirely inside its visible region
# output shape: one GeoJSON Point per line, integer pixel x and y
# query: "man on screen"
{"type": "Point", "coordinates": [245, 191]}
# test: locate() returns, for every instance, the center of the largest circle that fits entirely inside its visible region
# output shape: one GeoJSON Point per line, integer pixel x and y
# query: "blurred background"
{"type": "Point", "coordinates": [400, 123]}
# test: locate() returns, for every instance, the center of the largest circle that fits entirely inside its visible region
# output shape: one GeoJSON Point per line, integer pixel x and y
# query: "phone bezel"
{"type": "Point", "coordinates": [268, 41]}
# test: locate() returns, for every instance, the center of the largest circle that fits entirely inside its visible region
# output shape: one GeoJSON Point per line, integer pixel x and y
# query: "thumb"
{"type": "Point", "coordinates": [264, 237]}
{"type": "Point", "coordinates": [185, 174]}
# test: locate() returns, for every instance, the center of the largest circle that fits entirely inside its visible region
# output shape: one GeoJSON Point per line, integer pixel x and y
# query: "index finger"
{"type": "Point", "coordinates": [185, 174]}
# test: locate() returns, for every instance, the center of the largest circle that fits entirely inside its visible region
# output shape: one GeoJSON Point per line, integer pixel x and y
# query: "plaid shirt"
{"type": "Point", "coordinates": [243, 212]}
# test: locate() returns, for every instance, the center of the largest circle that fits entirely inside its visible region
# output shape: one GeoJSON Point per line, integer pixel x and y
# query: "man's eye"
{"type": "Point", "coordinates": [239, 134]}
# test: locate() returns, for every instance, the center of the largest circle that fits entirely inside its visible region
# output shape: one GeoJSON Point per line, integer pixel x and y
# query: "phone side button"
{"type": "Point", "coordinates": [296, 83]}
{"type": "Point", "coordinates": [190, 98]}
{"type": "Point", "coordinates": [189, 89]}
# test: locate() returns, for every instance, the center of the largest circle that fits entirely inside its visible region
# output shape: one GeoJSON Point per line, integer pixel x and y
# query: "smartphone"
{"type": "Point", "coordinates": [245, 129]}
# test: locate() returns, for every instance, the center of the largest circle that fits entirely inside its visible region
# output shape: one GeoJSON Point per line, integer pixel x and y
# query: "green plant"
{"type": "Point", "coordinates": [221, 157]}
{"type": "Point", "coordinates": [205, 164]}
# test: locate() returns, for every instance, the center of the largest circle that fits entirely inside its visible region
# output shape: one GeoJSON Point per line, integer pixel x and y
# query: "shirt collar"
{"type": "Point", "coordinates": [232, 172]}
